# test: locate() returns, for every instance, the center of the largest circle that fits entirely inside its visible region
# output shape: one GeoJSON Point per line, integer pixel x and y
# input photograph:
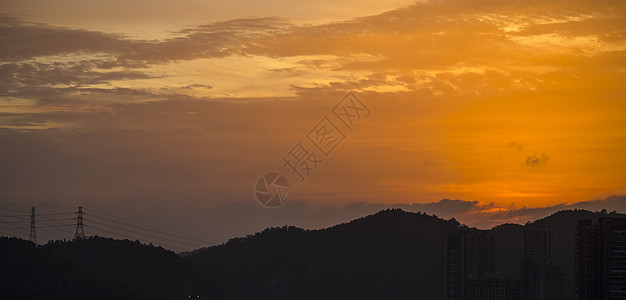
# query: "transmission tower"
{"type": "Point", "coordinates": [80, 233]}
{"type": "Point", "coordinates": [33, 235]}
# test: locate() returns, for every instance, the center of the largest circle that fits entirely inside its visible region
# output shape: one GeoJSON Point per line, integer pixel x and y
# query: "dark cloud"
{"type": "Point", "coordinates": [521, 215]}
{"type": "Point", "coordinates": [49, 74]}
{"type": "Point", "coordinates": [203, 86]}
{"type": "Point", "coordinates": [474, 214]}
{"type": "Point", "coordinates": [27, 40]}
{"type": "Point", "coordinates": [537, 159]}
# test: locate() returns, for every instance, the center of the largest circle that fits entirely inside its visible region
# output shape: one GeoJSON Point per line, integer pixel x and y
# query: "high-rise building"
{"type": "Point", "coordinates": [486, 288]}
{"type": "Point", "coordinates": [601, 259]}
{"type": "Point", "coordinates": [468, 255]}
{"type": "Point", "coordinates": [540, 278]}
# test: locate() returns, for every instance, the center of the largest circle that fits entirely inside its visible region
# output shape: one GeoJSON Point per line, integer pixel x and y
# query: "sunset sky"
{"type": "Point", "coordinates": [169, 111]}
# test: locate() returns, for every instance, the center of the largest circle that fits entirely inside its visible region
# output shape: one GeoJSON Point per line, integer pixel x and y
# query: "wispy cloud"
{"type": "Point", "coordinates": [537, 159]}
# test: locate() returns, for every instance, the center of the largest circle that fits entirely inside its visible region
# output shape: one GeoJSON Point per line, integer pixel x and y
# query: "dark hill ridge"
{"type": "Point", "coordinates": [93, 268]}
{"type": "Point", "coordinates": [392, 254]}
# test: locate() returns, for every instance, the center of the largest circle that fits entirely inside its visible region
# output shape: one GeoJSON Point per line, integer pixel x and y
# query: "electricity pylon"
{"type": "Point", "coordinates": [33, 235]}
{"type": "Point", "coordinates": [80, 233]}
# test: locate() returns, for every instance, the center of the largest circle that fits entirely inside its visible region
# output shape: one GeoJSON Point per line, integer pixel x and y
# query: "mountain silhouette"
{"type": "Point", "coordinates": [389, 255]}
{"type": "Point", "coordinates": [93, 268]}
{"type": "Point", "coordinates": [392, 254]}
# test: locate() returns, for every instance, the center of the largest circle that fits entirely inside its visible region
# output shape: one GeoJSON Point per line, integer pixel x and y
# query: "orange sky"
{"type": "Point", "coordinates": [503, 104]}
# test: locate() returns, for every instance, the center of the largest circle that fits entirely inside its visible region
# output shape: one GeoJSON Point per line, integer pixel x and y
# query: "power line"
{"type": "Point", "coordinates": [24, 212]}
{"type": "Point", "coordinates": [52, 220]}
{"type": "Point", "coordinates": [56, 214]}
{"type": "Point", "coordinates": [13, 210]}
{"type": "Point", "coordinates": [152, 230]}
{"type": "Point", "coordinates": [189, 236]}
{"type": "Point", "coordinates": [28, 227]}
{"type": "Point", "coordinates": [57, 232]}
{"type": "Point", "coordinates": [12, 230]}
{"type": "Point", "coordinates": [52, 226]}
{"type": "Point", "coordinates": [9, 222]}
{"type": "Point", "coordinates": [130, 223]}
{"type": "Point", "coordinates": [131, 237]}
{"type": "Point", "coordinates": [145, 234]}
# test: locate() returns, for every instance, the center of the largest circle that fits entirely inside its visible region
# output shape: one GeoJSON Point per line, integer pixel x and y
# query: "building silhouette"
{"type": "Point", "coordinates": [493, 288]}
{"type": "Point", "coordinates": [601, 259]}
{"type": "Point", "coordinates": [541, 278]}
{"type": "Point", "coordinates": [469, 270]}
